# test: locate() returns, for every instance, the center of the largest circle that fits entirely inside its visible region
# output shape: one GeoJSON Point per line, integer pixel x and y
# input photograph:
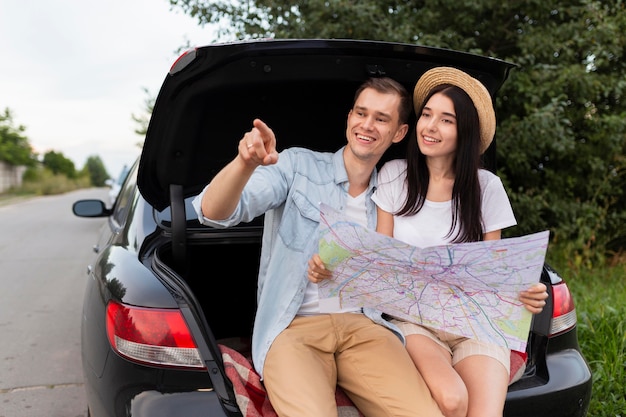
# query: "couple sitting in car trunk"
{"type": "Point", "coordinates": [439, 194]}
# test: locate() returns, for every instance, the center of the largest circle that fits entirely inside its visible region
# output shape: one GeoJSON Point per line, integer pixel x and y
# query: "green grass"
{"type": "Point", "coordinates": [600, 299]}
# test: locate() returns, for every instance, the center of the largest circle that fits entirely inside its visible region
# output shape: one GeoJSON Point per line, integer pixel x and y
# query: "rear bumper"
{"type": "Point", "coordinates": [566, 393]}
{"type": "Point", "coordinates": [187, 404]}
{"type": "Point", "coordinates": [126, 389]}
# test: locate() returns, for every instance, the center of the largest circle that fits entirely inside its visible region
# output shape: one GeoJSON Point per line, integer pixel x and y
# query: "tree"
{"type": "Point", "coordinates": [14, 146]}
{"type": "Point", "coordinates": [59, 164]}
{"type": "Point", "coordinates": [97, 172]}
{"type": "Point", "coordinates": [561, 134]}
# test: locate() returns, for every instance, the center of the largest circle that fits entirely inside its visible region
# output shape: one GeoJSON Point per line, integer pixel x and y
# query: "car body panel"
{"type": "Point", "coordinates": [569, 380]}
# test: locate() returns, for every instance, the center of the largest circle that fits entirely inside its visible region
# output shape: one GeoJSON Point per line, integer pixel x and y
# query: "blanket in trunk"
{"type": "Point", "coordinates": [253, 401]}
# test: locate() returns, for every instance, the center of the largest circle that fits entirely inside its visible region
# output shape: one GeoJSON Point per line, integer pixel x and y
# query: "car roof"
{"type": "Point", "coordinates": [302, 88]}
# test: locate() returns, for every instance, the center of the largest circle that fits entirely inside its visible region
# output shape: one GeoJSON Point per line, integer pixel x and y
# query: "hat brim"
{"type": "Point", "coordinates": [474, 88]}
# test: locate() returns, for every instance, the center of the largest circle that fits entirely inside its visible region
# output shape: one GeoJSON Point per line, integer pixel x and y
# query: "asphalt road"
{"type": "Point", "coordinates": [44, 253]}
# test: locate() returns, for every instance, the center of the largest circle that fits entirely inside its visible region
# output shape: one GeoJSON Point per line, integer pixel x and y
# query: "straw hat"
{"type": "Point", "coordinates": [474, 88]}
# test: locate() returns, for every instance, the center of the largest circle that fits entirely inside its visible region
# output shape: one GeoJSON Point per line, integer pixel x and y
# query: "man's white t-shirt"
{"type": "Point", "coordinates": [355, 210]}
{"type": "Point", "coordinates": [431, 224]}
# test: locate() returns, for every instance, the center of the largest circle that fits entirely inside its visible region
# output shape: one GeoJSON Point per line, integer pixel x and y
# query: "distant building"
{"type": "Point", "coordinates": [10, 176]}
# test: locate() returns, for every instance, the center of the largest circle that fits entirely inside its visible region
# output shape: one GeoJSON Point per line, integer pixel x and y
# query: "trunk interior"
{"type": "Point", "coordinates": [229, 301]}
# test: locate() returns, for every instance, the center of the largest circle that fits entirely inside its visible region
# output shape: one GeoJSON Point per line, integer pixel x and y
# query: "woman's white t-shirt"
{"type": "Point", "coordinates": [431, 224]}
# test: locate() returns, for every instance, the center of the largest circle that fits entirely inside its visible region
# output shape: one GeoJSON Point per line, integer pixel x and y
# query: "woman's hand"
{"type": "Point", "coordinates": [534, 298]}
{"type": "Point", "coordinates": [317, 272]}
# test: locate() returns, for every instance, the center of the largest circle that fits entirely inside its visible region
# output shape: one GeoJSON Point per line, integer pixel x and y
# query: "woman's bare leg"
{"type": "Point", "coordinates": [487, 382]}
{"type": "Point", "coordinates": [435, 365]}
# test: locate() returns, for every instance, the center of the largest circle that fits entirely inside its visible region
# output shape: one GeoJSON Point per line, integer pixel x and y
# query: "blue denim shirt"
{"type": "Point", "coordinates": [289, 193]}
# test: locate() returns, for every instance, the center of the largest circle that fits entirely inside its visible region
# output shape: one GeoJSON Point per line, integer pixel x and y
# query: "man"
{"type": "Point", "coordinates": [301, 354]}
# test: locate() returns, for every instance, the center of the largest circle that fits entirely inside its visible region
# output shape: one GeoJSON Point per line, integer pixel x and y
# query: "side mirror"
{"type": "Point", "coordinates": [91, 208]}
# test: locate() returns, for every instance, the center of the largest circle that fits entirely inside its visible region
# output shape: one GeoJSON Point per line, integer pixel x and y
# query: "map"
{"type": "Point", "coordinates": [467, 289]}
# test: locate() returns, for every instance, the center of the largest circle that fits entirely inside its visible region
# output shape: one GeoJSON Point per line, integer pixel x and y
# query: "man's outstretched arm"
{"type": "Point", "coordinates": [257, 147]}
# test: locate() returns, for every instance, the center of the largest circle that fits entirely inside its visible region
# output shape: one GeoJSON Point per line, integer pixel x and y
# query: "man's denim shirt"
{"type": "Point", "coordinates": [289, 193]}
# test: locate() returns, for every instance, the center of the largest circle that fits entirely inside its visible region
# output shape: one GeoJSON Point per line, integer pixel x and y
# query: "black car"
{"type": "Point", "coordinates": [164, 292]}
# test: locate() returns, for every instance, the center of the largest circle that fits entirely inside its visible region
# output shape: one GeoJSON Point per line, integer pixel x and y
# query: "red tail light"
{"type": "Point", "coordinates": [183, 60]}
{"type": "Point", "coordinates": [564, 313]}
{"type": "Point", "coordinates": [149, 335]}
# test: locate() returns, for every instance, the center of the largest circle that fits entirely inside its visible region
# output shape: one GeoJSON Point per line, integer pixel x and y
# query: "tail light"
{"type": "Point", "coordinates": [564, 312]}
{"type": "Point", "coordinates": [153, 336]}
{"type": "Point", "coordinates": [183, 60]}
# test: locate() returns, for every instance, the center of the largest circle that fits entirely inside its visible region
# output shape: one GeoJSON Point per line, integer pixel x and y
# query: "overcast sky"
{"type": "Point", "coordinates": [73, 72]}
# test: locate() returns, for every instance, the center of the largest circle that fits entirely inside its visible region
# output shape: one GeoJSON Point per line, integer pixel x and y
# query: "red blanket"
{"type": "Point", "coordinates": [250, 393]}
{"type": "Point", "coordinates": [253, 401]}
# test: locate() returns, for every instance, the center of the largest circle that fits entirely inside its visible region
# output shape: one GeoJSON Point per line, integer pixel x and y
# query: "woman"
{"type": "Point", "coordinates": [440, 195]}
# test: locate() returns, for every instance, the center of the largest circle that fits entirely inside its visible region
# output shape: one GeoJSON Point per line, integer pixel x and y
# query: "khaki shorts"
{"type": "Point", "coordinates": [459, 347]}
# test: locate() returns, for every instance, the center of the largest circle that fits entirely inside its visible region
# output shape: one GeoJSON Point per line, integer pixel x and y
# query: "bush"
{"type": "Point", "coordinates": [42, 181]}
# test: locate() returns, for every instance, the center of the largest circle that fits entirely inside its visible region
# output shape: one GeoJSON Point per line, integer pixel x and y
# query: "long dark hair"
{"type": "Point", "coordinates": [466, 193]}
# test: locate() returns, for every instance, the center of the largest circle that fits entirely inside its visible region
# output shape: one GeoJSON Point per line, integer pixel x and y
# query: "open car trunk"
{"type": "Point", "coordinates": [303, 89]}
